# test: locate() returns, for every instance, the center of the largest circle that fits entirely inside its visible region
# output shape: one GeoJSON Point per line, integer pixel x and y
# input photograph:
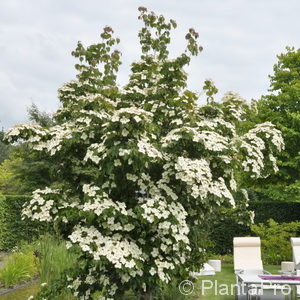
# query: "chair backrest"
{"type": "Point", "coordinates": [247, 254]}
{"type": "Point", "coordinates": [296, 251]}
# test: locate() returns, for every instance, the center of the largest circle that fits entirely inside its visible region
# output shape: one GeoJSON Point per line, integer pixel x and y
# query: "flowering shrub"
{"type": "Point", "coordinates": [141, 167]}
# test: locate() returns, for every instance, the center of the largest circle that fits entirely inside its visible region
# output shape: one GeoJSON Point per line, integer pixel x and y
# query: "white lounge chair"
{"type": "Point", "coordinates": [247, 254]}
{"type": "Point", "coordinates": [205, 271]}
{"type": "Point", "coordinates": [247, 259]}
{"type": "Point", "coordinates": [296, 258]}
{"type": "Point", "coordinates": [296, 252]}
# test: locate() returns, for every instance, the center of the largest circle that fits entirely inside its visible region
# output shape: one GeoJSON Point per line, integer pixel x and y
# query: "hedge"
{"type": "Point", "coordinates": [223, 232]}
{"type": "Point", "coordinates": [281, 212]}
{"type": "Point", "coordinates": [222, 235]}
{"type": "Point", "coordinates": [13, 229]}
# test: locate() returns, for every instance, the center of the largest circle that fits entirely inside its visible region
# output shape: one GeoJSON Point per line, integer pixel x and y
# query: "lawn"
{"type": "Point", "coordinates": [22, 294]}
{"type": "Point", "coordinates": [225, 277]}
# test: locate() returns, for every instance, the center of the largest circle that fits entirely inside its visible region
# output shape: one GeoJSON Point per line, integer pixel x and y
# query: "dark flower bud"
{"type": "Point", "coordinates": [188, 36]}
{"type": "Point", "coordinates": [116, 53]}
{"type": "Point", "coordinates": [107, 29]}
{"type": "Point", "coordinates": [142, 9]}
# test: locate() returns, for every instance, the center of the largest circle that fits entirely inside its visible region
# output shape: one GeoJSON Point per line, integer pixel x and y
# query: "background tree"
{"type": "Point", "coordinates": [37, 116]}
{"type": "Point", "coordinates": [4, 153]}
{"type": "Point", "coordinates": [33, 169]}
{"type": "Point", "coordinates": [282, 108]}
{"type": "Point", "coordinates": [4, 148]}
{"type": "Point", "coordinates": [22, 170]}
{"type": "Point", "coordinates": [140, 169]}
{"type": "Point", "coordinates": [9, 184]}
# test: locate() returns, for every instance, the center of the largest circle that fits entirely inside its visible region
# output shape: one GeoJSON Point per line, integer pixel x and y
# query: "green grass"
{"type": "Point", "coordinates": [227, 277]}
{"type": "Point", "coordinates": [22, 294]}
{"type": "Point", "coordinates": [19, 267]}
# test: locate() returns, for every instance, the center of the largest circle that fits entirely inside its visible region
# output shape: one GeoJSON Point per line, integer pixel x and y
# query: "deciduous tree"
{"type": "Point", "coordinates": [282, 107]}
{"type": "Point", "coordinates": [140, 168]}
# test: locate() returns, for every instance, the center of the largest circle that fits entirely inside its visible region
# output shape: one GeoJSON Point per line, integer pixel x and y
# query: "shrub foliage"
{"type": "Point", "coordinates": [275, 238]}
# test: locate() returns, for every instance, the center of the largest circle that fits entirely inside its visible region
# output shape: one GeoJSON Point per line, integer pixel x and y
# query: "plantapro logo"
{"type": "Point", "coordinates": [186, 287]}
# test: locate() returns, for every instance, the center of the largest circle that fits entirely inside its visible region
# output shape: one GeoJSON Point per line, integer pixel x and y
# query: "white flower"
{"type": "Point", "coordinates": [152, 271]}
{"type": "Point", "coordinates": [117, 163]}
{"type": "Point", "coordinates": [115, 248]}
{"type": "Point", "coordinates": [146, 148]}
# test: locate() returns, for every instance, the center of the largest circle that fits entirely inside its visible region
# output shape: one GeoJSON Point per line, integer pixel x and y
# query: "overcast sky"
{"type": "Point", "coordinates": [241, 39]}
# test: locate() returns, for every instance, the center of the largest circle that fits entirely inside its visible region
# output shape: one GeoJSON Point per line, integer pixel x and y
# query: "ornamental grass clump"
{"type": "Point", "coordinates": [140, 169]}
{"type": "Point", "coordinates": [54, 259]}
{"type": "Point", "coordinates": [20, 267]}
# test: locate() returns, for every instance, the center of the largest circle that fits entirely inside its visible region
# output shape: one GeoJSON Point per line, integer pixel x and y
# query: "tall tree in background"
{"type": "Point", "coordinates": [37, 116]}
{"type": "Point", "coordinates": [282, 108]}
{"type": "Point", "coordinates": [21, 169]}
{"type": "Point", "coordinates": [4, 148]}
{"type": "Point", "coordinates": [33, 169]}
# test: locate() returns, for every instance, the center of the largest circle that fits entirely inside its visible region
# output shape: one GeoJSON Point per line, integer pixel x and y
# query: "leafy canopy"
{"type": "Point", "coordinates": [282, 108]}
